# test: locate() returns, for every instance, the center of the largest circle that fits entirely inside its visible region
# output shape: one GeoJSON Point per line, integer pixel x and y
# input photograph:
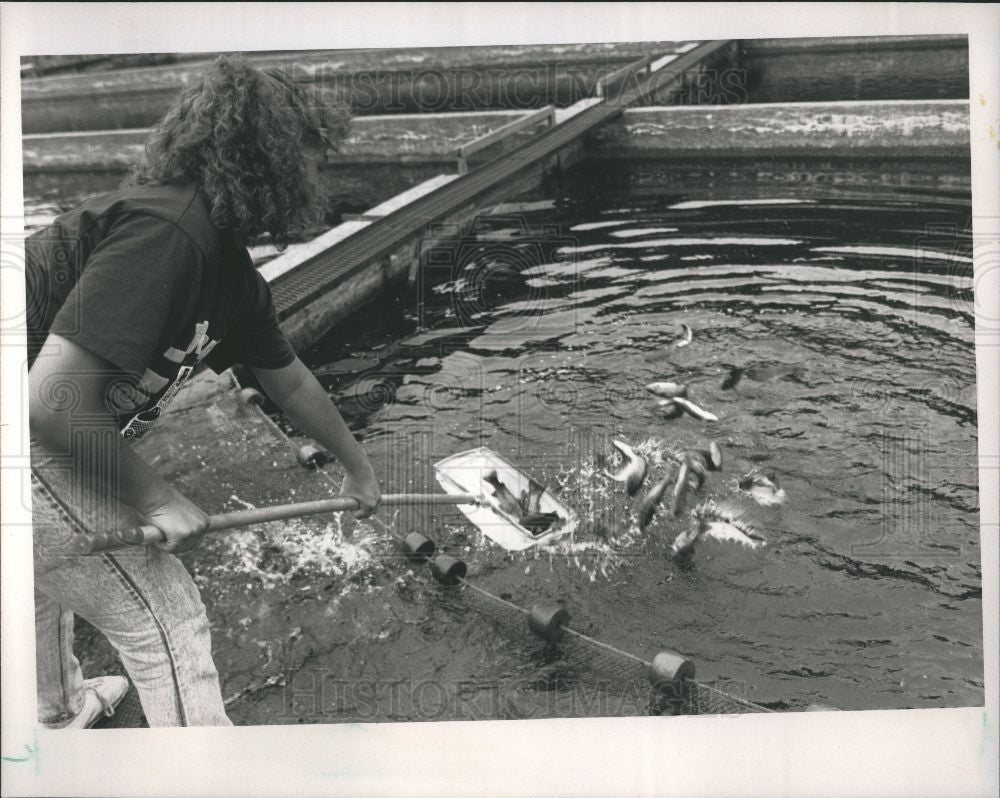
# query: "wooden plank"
{"type": "Point", "coordinates": [659, 63]}
{"type": "Point", "coordinates": [620, 74]}
{"type": "Point", "coordinates": [299, 253]}
{"type": "Point", "coordinates": [562, 114]}
{"type": "Point", "coordinates": [398, 201]}
{"type": "Point", "coordinates": [528, 120]}
{"type": "Point", "coordinates": [396, 236]}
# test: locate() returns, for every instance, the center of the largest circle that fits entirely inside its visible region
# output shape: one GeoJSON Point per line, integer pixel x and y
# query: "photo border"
{"type": "Point", "coordinates": [919, 752]}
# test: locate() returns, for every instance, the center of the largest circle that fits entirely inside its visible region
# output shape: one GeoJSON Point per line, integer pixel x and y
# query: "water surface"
{"type": "Point", "coordinates": [832, 336]}
{"type": "Point", "coordinates": [842, 330]}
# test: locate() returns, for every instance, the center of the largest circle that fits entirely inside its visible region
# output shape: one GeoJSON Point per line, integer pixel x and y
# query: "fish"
{"type": "Point", "coordinates": [715, 455]}
{"type": "Point", "coordinates": [679, 488]}
{"type": "Point", "coordinates": [704, 460]}
{"type": "Point", "coordinates": [683, 544]}
{"type": "Point", "coordinates": [763, 488]}
{"type": "Point", "coordinates": [694, 410]}
{"type": "Point", "coordinates": [698, 466]}
{"type": "Point", "coordinates": [648, 504]}
{"type": "Point", "coordinates": [685, 337]}
{"type": "Point", "coordinates": [710, 520]}
{"type": "Point", "coordinates": [725, 530]}
{"type": "Point", "coordinates": [526, 511]}
{"type": "Point", "coordinates": [633, 470]}
{"type": "Point", "coordinates": [537, 523]}
{"type": "Point", "coordinates": [506, 500]}
{"type": "Point", "coordinates": [723, 524]}
{"type": "Point", "coordinates": [762, 372]}
{"type": "Point", "coordinates": [667, 390]}
{"type": "Point", "coordinates": [534, 498]}
{"type": "Point", "coordinates": [732, 379]}
{"type": "Point", "coordinates": [701, 461]}
{"type": "Point", "coordinates": [694, 468]}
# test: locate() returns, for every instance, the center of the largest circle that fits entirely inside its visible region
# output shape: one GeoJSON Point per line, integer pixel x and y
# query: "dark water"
{"type": "Point", "coordinates": [833, 338]}
{"type": "Point", "coordinates": [851, 324]}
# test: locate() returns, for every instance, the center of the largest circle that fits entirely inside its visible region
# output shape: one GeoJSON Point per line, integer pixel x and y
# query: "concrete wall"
{"type": "Point", "coordinates": [476, 78]}
{"type": "Point", "coordinates": [384, 156]}
{"type": "Point", "coordinates": [374, 81]}
{"type": "Point", "coordinates": [938, 129]}
{"type": "Point", "coordinates": [399, 138]}
{"type": "Point", "coordinates": [856, 68]}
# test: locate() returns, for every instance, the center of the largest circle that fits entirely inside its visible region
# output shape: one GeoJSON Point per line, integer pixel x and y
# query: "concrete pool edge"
{"type": "Point", "coordinates": [923, 128]}
{"type": "Point", "coordinates": [891, 129]}
{"type": "Point", "coordinates": [846, 128]}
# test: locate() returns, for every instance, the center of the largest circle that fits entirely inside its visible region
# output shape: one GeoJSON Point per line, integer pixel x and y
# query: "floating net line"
{"type": "Point", "coordinates": [252, 461]}
{"type": "Point", "coordinates": [588, 660]}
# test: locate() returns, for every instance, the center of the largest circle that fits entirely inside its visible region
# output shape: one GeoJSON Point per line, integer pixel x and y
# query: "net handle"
{"type": "Point", "coordinates": [145, 534]}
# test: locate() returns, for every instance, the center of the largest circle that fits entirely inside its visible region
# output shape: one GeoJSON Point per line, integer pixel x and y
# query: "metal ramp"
{"type": "Point", "coordinates": [297, 288]}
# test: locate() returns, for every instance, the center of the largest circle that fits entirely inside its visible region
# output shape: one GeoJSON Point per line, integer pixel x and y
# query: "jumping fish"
{"type": "Point", "coordinates": [532, 497]}
{"type": "Point", "coordinates": [694, 468]}
{"type": "Point", "coordinates": [698, 467]}
{"type": "Point", "coordinates": [685, 336]}
{"type": "Point", "coordinates": [694, 410]}
{"type": "Point", "coordinates": [709, 459]}
{"type": "Point", "coordinates": [537, 523]}
{"type": "Point", "coordinates": [668, 390]}
{"type": "Point", "coordinates": [763, 488]}
{"type": "Point", "coordinates": [715, 455]}
{"type": "Point", "coordinates": [648, 504]}
{"type": "Point", "coordinates": [527, 512]}
{"type": "Point", "coordinates": [679, 488]}
{"type": "Point", "coordinates": [633, 470]}
{"type": "Point", "coordinates": [701, 461]}
{"type": "Point", "coordinates": [712, 521]}
{"type": "Point", "coordinates": [683, 544]}
{"type": "Point", "coordinates": [505, 499]}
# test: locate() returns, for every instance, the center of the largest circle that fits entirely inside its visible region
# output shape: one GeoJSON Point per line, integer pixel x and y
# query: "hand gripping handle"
{"type": "Point", "coordinates": [141, 535]}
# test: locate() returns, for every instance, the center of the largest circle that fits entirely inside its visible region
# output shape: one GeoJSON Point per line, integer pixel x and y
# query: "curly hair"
{"type": "Point", "coordinates": [242, 135]}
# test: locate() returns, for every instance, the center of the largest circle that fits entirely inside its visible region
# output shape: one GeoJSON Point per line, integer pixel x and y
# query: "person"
{"type": "Point", "coordinates": [126, 296]}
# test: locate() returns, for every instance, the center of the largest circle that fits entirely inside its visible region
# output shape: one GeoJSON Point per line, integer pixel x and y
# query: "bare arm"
{"type": "Point", "coordinates": [298, 393]}
{"type": "Point", "coordinates": [64, 369]}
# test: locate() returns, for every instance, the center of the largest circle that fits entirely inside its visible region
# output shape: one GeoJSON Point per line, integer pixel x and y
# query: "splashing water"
{"type": "Point", "coordinates": [609, 530]}
{"type": "Point", "coordinates": [278, 552]}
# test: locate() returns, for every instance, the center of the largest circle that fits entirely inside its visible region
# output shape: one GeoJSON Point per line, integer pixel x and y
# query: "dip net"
{"type": "Point", "coordinates": [250, 460]}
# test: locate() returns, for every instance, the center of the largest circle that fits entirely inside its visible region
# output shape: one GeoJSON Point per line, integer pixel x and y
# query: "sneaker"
{"type": "Point", "coordinates": [101, 696]}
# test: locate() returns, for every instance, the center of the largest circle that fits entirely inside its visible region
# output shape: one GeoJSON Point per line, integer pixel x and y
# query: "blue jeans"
{"type": "Point", "coordinates": [142, 599]}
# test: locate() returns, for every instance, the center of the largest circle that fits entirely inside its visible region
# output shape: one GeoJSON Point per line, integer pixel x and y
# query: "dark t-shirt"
{"type": "Point", "coordinates": [142, 278]}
